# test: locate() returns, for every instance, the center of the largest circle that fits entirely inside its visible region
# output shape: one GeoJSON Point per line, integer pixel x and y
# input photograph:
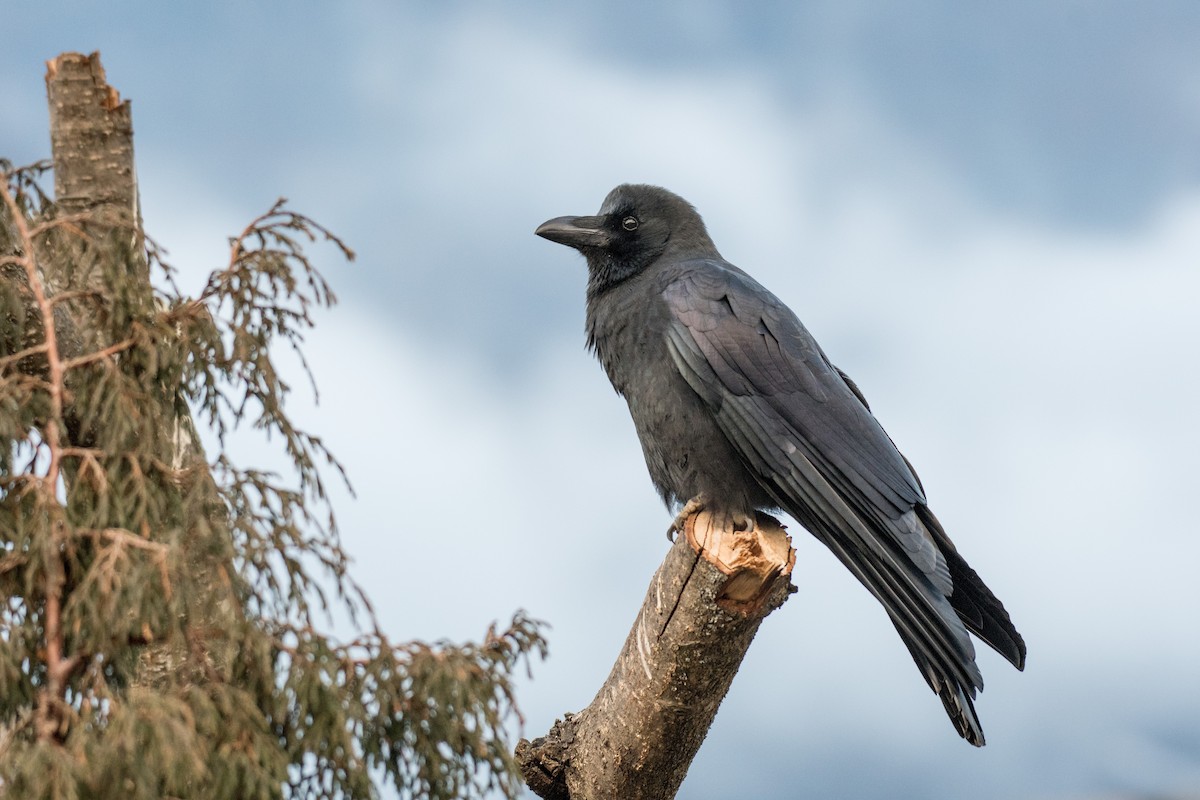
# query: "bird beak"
{"type": "Point", "coordinates": [577, 232]}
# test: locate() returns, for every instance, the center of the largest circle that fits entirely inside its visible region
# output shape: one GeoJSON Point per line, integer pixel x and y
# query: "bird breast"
{"type": "Point", "coordinates": [686, 452]}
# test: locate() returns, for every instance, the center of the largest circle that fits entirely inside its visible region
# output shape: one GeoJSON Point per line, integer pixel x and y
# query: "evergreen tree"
{"type": "Point", "coordinates": [160, 634]}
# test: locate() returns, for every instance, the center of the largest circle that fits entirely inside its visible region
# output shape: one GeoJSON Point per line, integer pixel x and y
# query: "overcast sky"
{"type": "Point", "coordinates": [988, 215]}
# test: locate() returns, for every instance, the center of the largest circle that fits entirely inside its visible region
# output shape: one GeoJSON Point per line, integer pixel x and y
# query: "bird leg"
{"type": "Point", "coordinates": [725, 519]}
{"type": "Point", "coordinates": [692, 506]}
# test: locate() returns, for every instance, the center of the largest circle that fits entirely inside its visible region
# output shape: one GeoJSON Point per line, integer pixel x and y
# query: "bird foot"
{"type": "Point", "coordinates": [692, 506]}
{"type": "Point", "coordinates": [734, 521]}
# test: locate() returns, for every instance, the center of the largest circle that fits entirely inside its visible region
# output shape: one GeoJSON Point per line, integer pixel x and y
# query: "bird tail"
{"type": "Point", "coordinates": [926, 622]}
{"type": "Point", "coordinates": [979, 609]}
{"type": "Point", "coordinates": [957, 699]}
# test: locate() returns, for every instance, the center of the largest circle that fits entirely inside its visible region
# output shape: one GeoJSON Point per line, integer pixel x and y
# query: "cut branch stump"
{"type": "Point", "coordinates": [639, 735]}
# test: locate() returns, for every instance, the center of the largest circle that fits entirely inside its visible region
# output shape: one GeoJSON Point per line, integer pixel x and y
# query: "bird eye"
{"type": "Point", "coordinates": [630, 223]}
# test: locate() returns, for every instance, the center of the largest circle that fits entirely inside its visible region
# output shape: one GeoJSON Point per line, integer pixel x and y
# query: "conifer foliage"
{"type": "Point", "coordinates": [160, 634]}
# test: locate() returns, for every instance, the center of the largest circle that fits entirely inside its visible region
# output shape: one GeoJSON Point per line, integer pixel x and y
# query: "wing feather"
{"type": "Point", "coordinates": [813, 443]}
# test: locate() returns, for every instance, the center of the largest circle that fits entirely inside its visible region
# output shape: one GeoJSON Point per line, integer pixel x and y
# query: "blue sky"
{"type": "Point", "coordinates": [989, 216]}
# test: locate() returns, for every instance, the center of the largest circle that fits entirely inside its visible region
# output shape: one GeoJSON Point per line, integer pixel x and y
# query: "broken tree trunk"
{"type": "Point", "coordinates": [639, 735]}
{"type": "Point", "coordinates": [95, 184]}
{"type": "Point", "coordinates": [91, 137]}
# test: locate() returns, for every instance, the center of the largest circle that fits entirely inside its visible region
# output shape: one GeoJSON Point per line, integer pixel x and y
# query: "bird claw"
{"type": "Point", "coordinates": [740, 522]}
{"type": "Point", "coordinates": [692, 506]}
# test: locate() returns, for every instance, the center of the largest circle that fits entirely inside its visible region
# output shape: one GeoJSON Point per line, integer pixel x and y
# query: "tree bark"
{"type": "Point", "coordinates": [91, 142]}
{"type": "Point", "coordinates": [91, 136]}
{"type": "Point", "coordinates": [91, 139]}
{"type": "Point", "coordinates": [639, 735]}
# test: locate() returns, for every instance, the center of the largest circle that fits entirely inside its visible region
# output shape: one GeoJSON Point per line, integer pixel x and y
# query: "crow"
{"type": "Point", "coordinates": [738, 408]}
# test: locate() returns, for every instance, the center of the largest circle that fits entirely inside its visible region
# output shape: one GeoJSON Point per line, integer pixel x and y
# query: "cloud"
{"type": "Point", "coordinates": [1041, 377]}
{"type": "Point", "coordinates": [500, 127]}
{"type": "Point", "coordinates": [1041, 382]}
{"type": "Point", "coordinates": [1038, 377]}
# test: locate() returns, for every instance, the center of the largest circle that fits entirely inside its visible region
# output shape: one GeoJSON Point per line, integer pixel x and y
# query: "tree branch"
{"type": "Point", "coordinates": [58, 666]}
{"type": "Point", "coordinates": [704, 605]}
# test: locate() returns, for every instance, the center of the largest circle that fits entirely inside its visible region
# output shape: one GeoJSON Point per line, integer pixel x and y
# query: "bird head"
{"type": "Point", "coordinates": [636, 226]}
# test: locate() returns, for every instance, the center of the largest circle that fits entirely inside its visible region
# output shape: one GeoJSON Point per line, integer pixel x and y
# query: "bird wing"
{"type": "Point", "coordinates": [742, 342]}
{"type": "Point", "coordinates": [804, 431]}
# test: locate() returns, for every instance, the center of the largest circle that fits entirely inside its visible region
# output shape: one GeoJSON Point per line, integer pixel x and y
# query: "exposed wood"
{"type": "Point", "coordinates": [640, 733]}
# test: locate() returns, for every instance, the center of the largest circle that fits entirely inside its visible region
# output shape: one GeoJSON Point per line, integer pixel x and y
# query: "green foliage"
{"type": "Point", "coordinates": [159, 634]}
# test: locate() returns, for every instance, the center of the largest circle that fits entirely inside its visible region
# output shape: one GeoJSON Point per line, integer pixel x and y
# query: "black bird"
{"type": "Point", "coordinates": [737, 408]}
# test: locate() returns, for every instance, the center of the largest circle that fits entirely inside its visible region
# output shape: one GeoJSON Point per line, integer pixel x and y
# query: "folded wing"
{"type": "Point", "coordinates": [807, 434]}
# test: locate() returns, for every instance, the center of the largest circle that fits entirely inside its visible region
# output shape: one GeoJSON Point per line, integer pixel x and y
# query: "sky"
{"type": "Point", "coordinates": [989, 216]}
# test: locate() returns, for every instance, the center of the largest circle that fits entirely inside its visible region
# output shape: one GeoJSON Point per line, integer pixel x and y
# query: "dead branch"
{"type": "Point", "coordinates": [704, 605]}
{"type": "Point", "coordinates": [58, 665]}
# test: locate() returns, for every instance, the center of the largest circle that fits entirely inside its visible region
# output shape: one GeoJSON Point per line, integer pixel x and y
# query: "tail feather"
{"type": "Point", "coordinates": [959, 705]}
{"type": "Point", "coordinates": [951, 672]}
{"type": "Point", "coordinates": [980, 610]}
{"type": "Point", "coordinates": [929, 623]}
{"type": "Point", "coordinates": [933, 616]}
